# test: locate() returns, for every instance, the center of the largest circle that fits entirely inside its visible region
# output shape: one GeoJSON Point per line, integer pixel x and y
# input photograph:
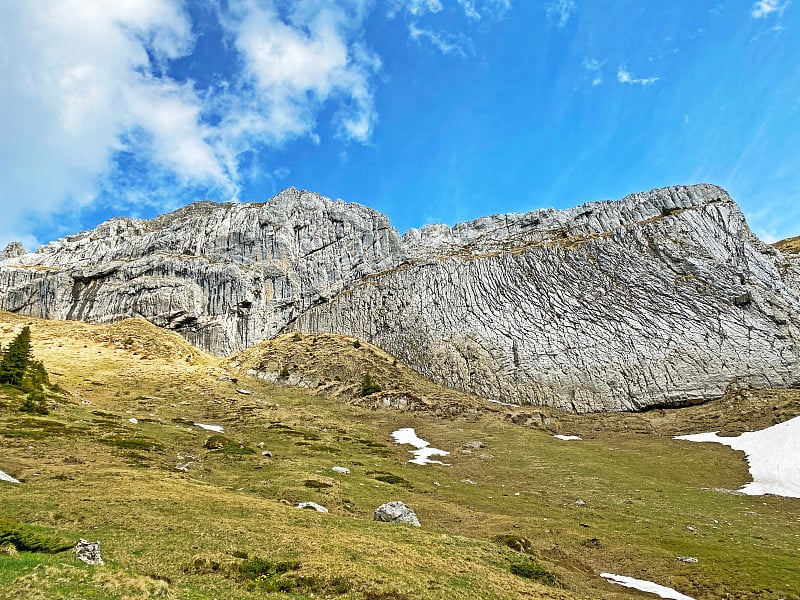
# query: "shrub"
{"type": "Point", "coordinates": [15, 358]}
{"type": "Point", "coordinates": [530, 569]}
{"type": "Point", "coordinates": [35, 403]}
{"type": "Point", "coordinates": [368, 386]}
{"type": "Point", "coordinates": [26, 540]}
{"type": "Point", "coordinates": [666, 212]}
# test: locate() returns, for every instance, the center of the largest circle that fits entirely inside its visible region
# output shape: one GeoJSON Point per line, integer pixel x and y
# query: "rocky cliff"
{"type": "Point", "coordinates": [661, 298]}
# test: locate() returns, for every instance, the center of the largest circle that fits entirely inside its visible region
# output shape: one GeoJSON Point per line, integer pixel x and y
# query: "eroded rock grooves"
{"type": "Point", "coordinates": [662, 298]}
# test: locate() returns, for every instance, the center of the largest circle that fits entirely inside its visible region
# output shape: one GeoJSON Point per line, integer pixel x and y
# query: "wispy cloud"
{"type": "Point", "coordinates": [594, 67]}
{"type": "Point", "coordinates": [474, 10]}
{"type": "Point", "coordinates": [625, 76]}
{"type": "Point", "coordinates": [446, 43]}
{"type": "Point", "coordinates": [764, 8]}
{"type": "Point", "coordinates": [413, 7]}
{"type": "Point", "coordinates": [560, 11]}
{"type": "Point", "coordinates": [478, 9]}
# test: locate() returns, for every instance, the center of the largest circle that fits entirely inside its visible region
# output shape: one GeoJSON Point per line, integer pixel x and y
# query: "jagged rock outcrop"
{"type": "Point", "coordinates": [225, 276]}
{"type": "Point", "coordinates": [661, 298]}
{"type": "Point", "coordinates": [13, 250]}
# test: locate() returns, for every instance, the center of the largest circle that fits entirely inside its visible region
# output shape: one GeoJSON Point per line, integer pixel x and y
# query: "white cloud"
{"type": "Point", "coordinates": [413, 7]}
{"type": "Point", "coordinates": [594, 66]}
{"type": "Point", "coordinates": [560, 11]}
{"type": "Point", "coordinates": [474, 10]}
{"type": "Point", "coordinates": [478, 9]}
{"type": "Point", "coordinates": [764, 8]}
{"type": "Point", "coordinates": [446, 43]}
{"type": "Point", "coordinates": [292, 68]}
{"type": "Point", "coordinates": [625, 76]}
{"type": "Point", "coordinates": [85, 89]}
{"type": "Point", "coordinates": [78, 77]}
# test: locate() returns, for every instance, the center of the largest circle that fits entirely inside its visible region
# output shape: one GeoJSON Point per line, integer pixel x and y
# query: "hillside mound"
{"type": "Point", "coordinates": [348, 368]}
{"type": "Point", "coordinates": [789, 245]}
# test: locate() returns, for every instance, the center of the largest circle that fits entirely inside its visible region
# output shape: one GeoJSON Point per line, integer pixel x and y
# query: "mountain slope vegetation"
{"type": "Point", "coordinates": [518, 514]}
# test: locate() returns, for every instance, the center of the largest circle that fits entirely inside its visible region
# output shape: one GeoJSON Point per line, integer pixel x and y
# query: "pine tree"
{"type": "Point", "coordinates": [16, 358]}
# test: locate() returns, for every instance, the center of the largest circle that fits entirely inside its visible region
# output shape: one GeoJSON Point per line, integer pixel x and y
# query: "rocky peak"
{"type": "Point", "coordinates": [13, 250]}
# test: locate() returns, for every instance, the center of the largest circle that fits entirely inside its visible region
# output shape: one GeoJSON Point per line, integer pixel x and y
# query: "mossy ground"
{"type": "Point", "coordinates": [87, 471]}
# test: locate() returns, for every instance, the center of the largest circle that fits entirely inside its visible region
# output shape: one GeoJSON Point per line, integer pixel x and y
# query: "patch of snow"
{"type": "Point", "coordinates": [568, 438]}
{"type": "Point", "coordinates": [216, 428]}
{"type": "Point", "coordinates": [423, 452]}
{"type": "Point", "coordinates": [133, 420]}
{"type": "Point", "coordinates": [502, 403]}
{"type": "Point", "coordinates": [6, 477]}
{"type": "Point", "coordinates": [771, 453]}
{"type": "Point", "coordinates": [645, 586]}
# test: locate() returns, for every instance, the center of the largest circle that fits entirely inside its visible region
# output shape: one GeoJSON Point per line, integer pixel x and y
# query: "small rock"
{"type": "Point", "coordinates": [688, 559]}
{"type": "Point", "coordinates": [245, 392]}
{"type": "Point", "coordinates": [469, 481]}
{"type": "Point", "coordinates": [267, 453]}
{"type": "Point", "coordinates": [260, 445]}
{"type": "Point", "coordinates": [580, 502]}
{"type": "Point", "coordinates": [312, 506]}
{"type": "Point", "coordinates": [395, 512]}
{"type": "Point", "coordinates": [341, 470]}
{"type": "Point", "coordinates": [88, 552]}
{"type": "Point", "coordinates": [436, 483]}
{"type": "Point", "coordinates": [133, 420]}
{"type": "Point", "coordinates": [691, 528]}
{"type": "Point", "coordinates": [473, 445]}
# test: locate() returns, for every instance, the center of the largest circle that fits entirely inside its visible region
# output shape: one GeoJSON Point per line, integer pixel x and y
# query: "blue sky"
{"type": "Point", "coordinates": [427, 110]}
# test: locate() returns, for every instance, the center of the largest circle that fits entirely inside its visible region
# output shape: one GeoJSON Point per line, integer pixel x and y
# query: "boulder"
{"type": "Point", "coordinates": [88, 552]}
{"type": "Point", "coordinates": [312, 506]}
{"type": "Point", "coordinates": [396, 512]}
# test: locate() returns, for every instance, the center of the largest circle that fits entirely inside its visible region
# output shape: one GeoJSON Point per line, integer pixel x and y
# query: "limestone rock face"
{"type": "Point", "coordinates": [225, 276]}
{"type": "Point", "coordinates": [661, 298]}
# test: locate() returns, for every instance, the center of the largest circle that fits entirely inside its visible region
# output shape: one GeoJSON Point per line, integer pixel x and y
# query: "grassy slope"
{"type": "Point", "coordinates": [88, 472]}
{"type": "Point", "coordinates": [789, 245]}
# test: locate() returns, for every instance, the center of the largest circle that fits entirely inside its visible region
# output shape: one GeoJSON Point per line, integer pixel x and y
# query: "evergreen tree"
{"type": "Point", "coordinates": [16, 358]}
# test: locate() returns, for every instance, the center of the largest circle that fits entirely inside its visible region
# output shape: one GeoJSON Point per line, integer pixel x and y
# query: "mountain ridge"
{"type": "Point", "coordinates": [661, 298]}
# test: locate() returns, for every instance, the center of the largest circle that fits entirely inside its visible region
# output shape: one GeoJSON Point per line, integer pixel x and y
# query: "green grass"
{"type": "Point", "coordinates": [499, 523]}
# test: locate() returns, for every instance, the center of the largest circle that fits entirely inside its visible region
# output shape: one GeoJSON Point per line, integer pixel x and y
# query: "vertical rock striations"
{"type": "Point", "coordinates": [661, 298]}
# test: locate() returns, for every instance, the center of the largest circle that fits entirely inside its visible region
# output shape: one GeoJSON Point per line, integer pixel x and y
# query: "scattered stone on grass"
{"type": "Point", "coordinates": [88, 552]}
{"type": "Point", "coordinates": [396, 512]}
{"type": "Point", "coordinates": [312, 506]}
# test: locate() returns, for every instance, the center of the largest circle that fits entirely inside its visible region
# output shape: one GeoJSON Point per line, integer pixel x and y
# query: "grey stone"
{"type": "Point", "coordinates": [395, 512]}
{"type": "Point", "coordinates": [313, 506]}
{"type": "Point", "coordinates": [88, 552]}
{"type": "Point", "coordinates": [475, 445]}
